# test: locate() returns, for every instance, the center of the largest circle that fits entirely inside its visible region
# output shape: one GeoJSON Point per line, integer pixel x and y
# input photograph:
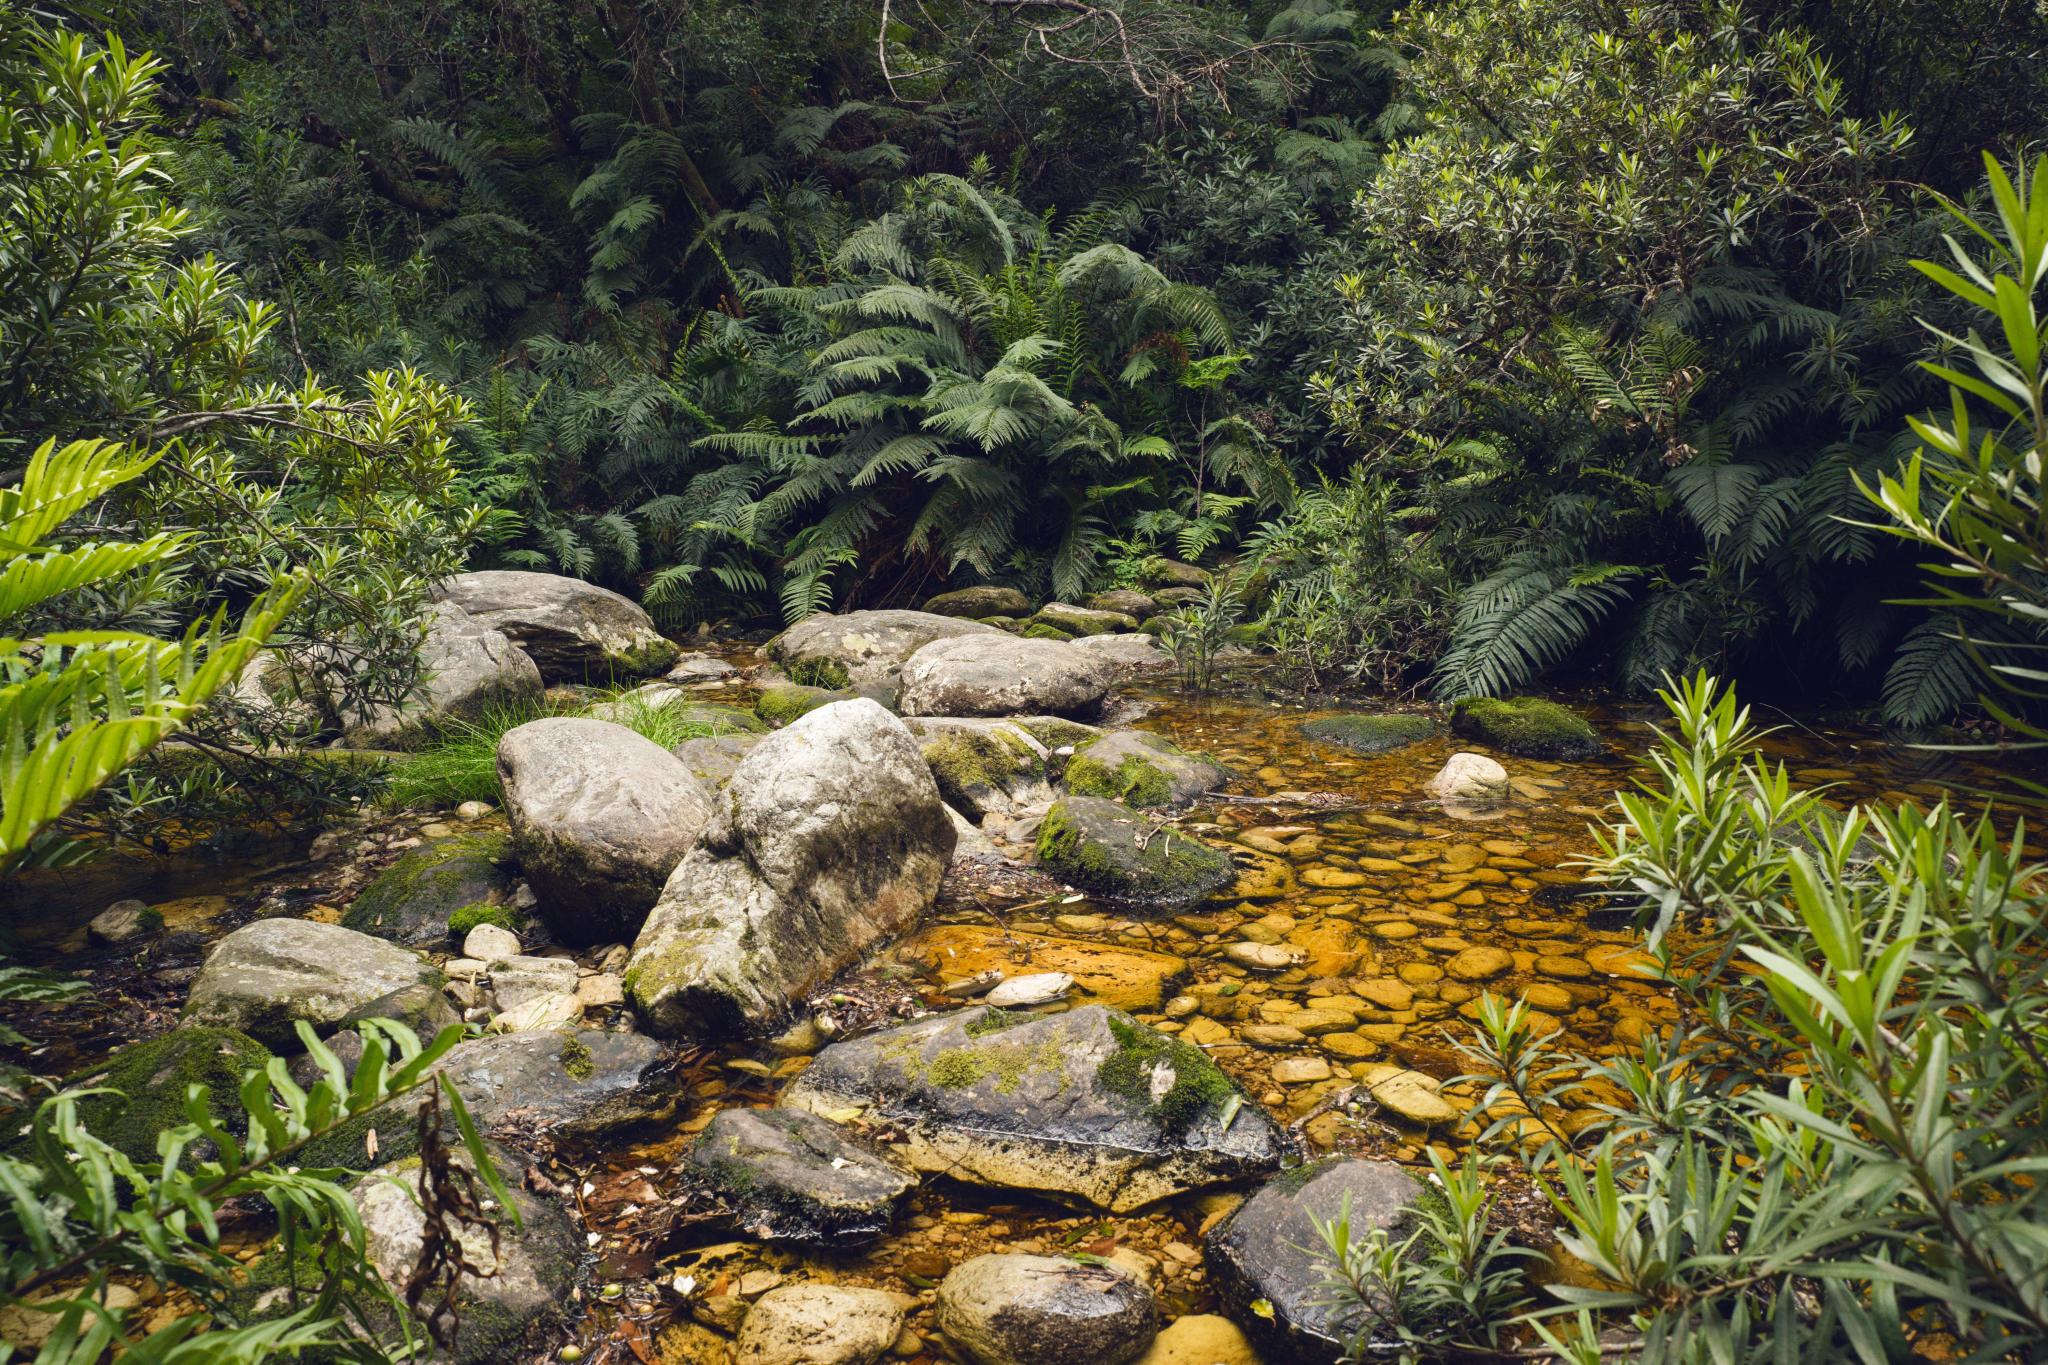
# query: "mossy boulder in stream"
{"type": "Point", "coordinates": [152, 1078]}
{"type": "Point", "coordinates": [1105, 848]}
{"type": "Point", "coordinates": [1527, 727]}
{"type": "Point", "coordinates": [1141, 769]}
{"type": "Point", "coordinates": [415, 900]}
{"type": "Point", "coordinates": [1088, 1103]}
{"type": "Point", "coordinates": [983, 766]}
{"type": "Point", "coordinates": [1370, 734]}
{"type": "Point", "coordinates": [979, 603]}
{"type": "Point", "coordinates": [1262, 1258]}
{"type": "Point", "coordinates": [791, 1176]}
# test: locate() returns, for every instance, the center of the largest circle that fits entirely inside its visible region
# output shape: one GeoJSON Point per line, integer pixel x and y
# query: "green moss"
{"type": "Point", "coordinates": [576, 1058]}
{"type": "Point", "coordinates": [1170, 867]}
{"type": "Point", "coordinates": [483, 912]}
{"type": "Point", "coordinates": [1370, 734]}
{"type": "Point", "coordinates": [1197, 1082]}
{"type": "Point", "coordinates": [970, 763]}
{"type": "Point", "coordinates": [780, 705]}
{"type": "Point", "coordinates": [993, 1021]}
{"type": "Point", "coordinates": [829, 674]}
{"type": "Point", "coordinates": [151, 919]}
{"type": "Point", "coordinates": [151, 1079]}
{"type": "Point", "coordinates": [416, 898]}
{"type": "Point", "coordinates": [643, 660]}
{"type": "Point", "coordinates": [1039, 630]}
{"type": "Point", "coordinates": [1133, 781]}
{"type": "Point", "coordinates": [1053, 732]}
{"type": "Point", "coordinates": [1007, 1063]}
{"type": "Point", "coordinates": [1528, 727]}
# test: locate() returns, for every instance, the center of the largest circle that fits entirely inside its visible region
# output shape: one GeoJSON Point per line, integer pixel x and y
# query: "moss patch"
{"type": "Point", "coordinates": [152, 1078]}
{"type": "Point", "coordinates": [1055, 733]}
{"type": "Point", "coordinates": [971, 763]}
{"type": "Point", "coordinates": [1528, 727]}
{"type": "Point", "coordinates": [1108, 860]}
{"type": "Point", "coordinates": [483, 912]}
{"type": "Point", "coordinates": [993, 1021]}
{"type": "Point", "coordinates": [576, 1058]}
{"type": "Point", "coordinates": [829, 674]}
{"type": "Point", "coordinates": [1006, 1063]}
{"type": "Point", "coordinates": [1198, 1082]}
{"type": "Point", "coordinates": [1039, 630]}
{"type": "Point", "coordinates": [1370, 734]}
{"type": "Point", "coordinates": [414, 901]}
{"type": "Point", "coordinates": [1133, 781]}
{"type": "Point", "coordinates": [780, 705]}
{"type": "Point", "coordinates": [644, 660]}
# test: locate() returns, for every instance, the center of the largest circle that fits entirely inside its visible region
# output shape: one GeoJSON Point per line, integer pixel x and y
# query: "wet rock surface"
{"type": "Point", "coordinates": [1030, 1310]}
{"type": "Point", "coordinates": [791, 1176]}
{"type": "Point", "coordinates": [1088, 1103]}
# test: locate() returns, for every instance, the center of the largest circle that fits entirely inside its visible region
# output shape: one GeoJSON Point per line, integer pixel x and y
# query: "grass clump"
{"type": "Point", "coordinates": [1198, 1082]}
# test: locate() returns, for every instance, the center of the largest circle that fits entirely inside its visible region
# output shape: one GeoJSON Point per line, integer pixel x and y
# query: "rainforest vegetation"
{"type": "Point", "coordinates": [1451, 350]}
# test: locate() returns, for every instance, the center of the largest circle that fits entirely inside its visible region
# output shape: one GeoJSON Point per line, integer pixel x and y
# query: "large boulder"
{"type": "Point", "coordinates": [410, 901]}
{"type": "Point", "coordinates": [829, 838]}
{"type": "Point", "coordinates": [1107, 849]}
{"type": "Point", "coordinates": [265, 977]}
{"type": "Point", "coordinates": [984, 767]}
{"type": "Point", "coordinates": [467, 666]}
{"type": "Point", "coordinates": [820, 1324]}
{"type": "Point", "coordinates": [862, 646]}
{"type": "Point", "coordinates": [1005, 1308]}
{"type": "Point", "coordinates": [1141, 769]}
{"type": "Point", "coordinates": [600, 816]}
{"type": "Point", "coordinates": [571, 629]}
{"type": "Point", "coordinates": [1002, 675]}
{"type": "Point", "coordinates": [1088, 1103]}
{"type": "Point", "coordinates": [1128, 601]}
{"type": "Point", "coordinates": [791, 1176]}
{"type": "Point", "coordinates": [1262, 1259]}
{"type": "Point", "coordinates": [1127, 653]}
{"type": "Point", "coordinates": [1527, 727]}
{"type": "Point", "coordinates": [977, 603]}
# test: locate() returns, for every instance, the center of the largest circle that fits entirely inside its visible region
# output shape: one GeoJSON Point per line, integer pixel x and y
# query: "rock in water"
{"type": "Point", "coordinates": [1039, 988]}
{"type": "Point", "coordinates": [1370, 734]}
{"type": "Point", "coordinates": [1001, 675]}
{"type": "Point", "coordinates": [571, 629]}
{"type": "Point", "coordinates": [1200, 1339]}
{"type": "Point", "coordinates": [1264, 1251]}
{"type": "Point", "coordinates": [1127, 652]}
{"type": "Point", "coordinates": [266, 976]}
{"type": "Point", "coordinates": [830, 837]}
{"type": "Point", "coordinates": [791, 1176]}
{"type": "Point", "coordinates": [600, 817]}
{"type": "Point", "coordinates": [1105, 848]}
{"type": "Point", "coordinates": [1141, 769]}
{"type": "Point", "coordinates": [984, 767]}
{"type": "Point", "coordinates": [1011, 1309]}
{"type": "Point", "coordinates": [411, 900]}
{"type": "Point", "coordinates": [860, 647]}
{"type": "Point", "coordinates": [1527, 727]}
{"type": "Point", "coordinates": [1469, 780]}
{"type": "Point", "coordinates": [820, 1324]}
{"type": "Point", "coordinates": [467, 666]}
{"type": "Point", "coordinates": [1089, 1103]}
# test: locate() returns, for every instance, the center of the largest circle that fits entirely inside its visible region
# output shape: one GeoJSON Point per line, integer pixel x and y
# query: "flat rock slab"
{"type": "Point", "coordinates": [1263, 1252]}
{"type": "Point", "coordinates": [791, 1176]}
{"type": "Point", "coordinates": [1001, 675]}
{"type": "Point", "coordinates": [820, 1324]}
{"type": "Point", "coordinates": [266, 976]}
{"type": "Point", "coordinates": [571, 629]}
{"type": "Point", "coordinates": [1089, 1103]}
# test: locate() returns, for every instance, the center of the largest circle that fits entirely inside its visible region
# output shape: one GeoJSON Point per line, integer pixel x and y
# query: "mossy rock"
{"type": "Point", "coordinates": [1056, 732]}
{"type": "Point", "coordinates": [1370, 734]}
{"type": "Point", "coordinates": [779, 706]}
{"type": "Point", "coordinates": [413, 901]}
{"type": "Point", "coordinates": [1084, 620]}
{"type": "Point", "coordinates": [152, 1078]}
{"type": "Point", "coordinates": [1141, 769]}
{"type": "Point", "coordinates": [1039, 630]}
{"type": "Point", "coordinates": [719, 720]}
{"type": "Point", "coordinates": [979, 603]}
{"type": "Point", "coordinates": [828, 674]}
{"type": "Point", "coordinates": [1527, 727]}
{"type": "Point", "coordinates": [641, 661]}
{"type": "Point", "coordinates": [483, 912]}
{"type": "Point", "coordinates": [978, 769]}
{"type": "Point", "coordinates": [1104, 848]}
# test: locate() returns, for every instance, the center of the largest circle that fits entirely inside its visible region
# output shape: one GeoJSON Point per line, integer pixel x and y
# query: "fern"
{"type": "Point", "coordinates": [1525, 618]}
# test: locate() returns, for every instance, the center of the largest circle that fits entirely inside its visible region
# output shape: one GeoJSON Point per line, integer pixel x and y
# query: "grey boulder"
{"type": "Point", "coordinates": [862, 647]}
{"type": "Point", "coordinates": [829, 838]}
{"type": "Point", "coordinates": [982, 766]}
{"type": "Point", "coordinates": [467, 666]}
{"type": "Point", "coordinates": [1263, 1253]}
{"type": "Point", "coordinates": [571, 629]}
{"type": "Point", "coordinates": [1105, 848]}
{"type": "Point", "coordinates": [265, 977]}
{"type": "Point", "coordinates": [791, 1176]}
{"type": "Point", "coordinates": [1003, 675]}
{"type": "Point", "coordinates": [979, 602]}
{"type": "Point", "coordinates": [1010, 1309]}
{"type": "Point", "coordinates": [600, 816]}
{"type": "Point", "coordinates": [1141, 769]}
{"type": "Point", "coordinates": [1088, 1103]}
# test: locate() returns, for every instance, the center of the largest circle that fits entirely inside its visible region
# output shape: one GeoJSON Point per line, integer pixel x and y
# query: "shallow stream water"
{"type": "Point", "coordinates": [1394, 917]}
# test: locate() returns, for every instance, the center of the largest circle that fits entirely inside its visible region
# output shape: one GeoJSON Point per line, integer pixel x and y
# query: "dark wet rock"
{"type": "Point", "coordinates": [266, 976]}
{"type": "Point", "coordinates": [830, 838]}
{"type": "Point", "coordinates": [1141, 769]}
{"type": "Point", "coordinates": [1073, 620]}
{"type": "Point", "coordinates": [1376, 734]}
{"type": "Point", "coordinates": [1010, 1309]}
{"type": "Point", "coordinates": [862, 646]}
{"type": "Point", "coordinates": [421, 1007]}
{"type": "Point", "coordinates": [715, 760]}
{"type": "Point", "coordinates": [600, 816]}
{"type": "Point", "coordinates": [979, 603]}
{"type": "Point", "coordinates": [1127, 601]}
{"type": "Point", "coordinates": [151, 1078]}
{"type": "Point", "coordinates": [983, 766]}
{"type": "Point", "coordinates": [791, 1176]}
{"type": "Point", "coordinates": [411, 901]}
{"type": "Point", "coordinates": [123, 922]}
{"type": "Point", "coordinates": [1527, 727]}
{"type": "Point", "coordinates": [347, 1047]}
{"type": "Point", "coordinates": [1108, 849]}
{"type": "Point", "coordinates": [467, 667]}
{"type": "Point", "coordinates": [1264, 1251]}
{"type": "Point", "coordinates": [1088, 1103]}
{"type": "Point", "coordinates": [821, 1324]}
{"type": "Point", "coordinates": [572, 630]}
{"type": "Point", "coordinates": [1002, 675]}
